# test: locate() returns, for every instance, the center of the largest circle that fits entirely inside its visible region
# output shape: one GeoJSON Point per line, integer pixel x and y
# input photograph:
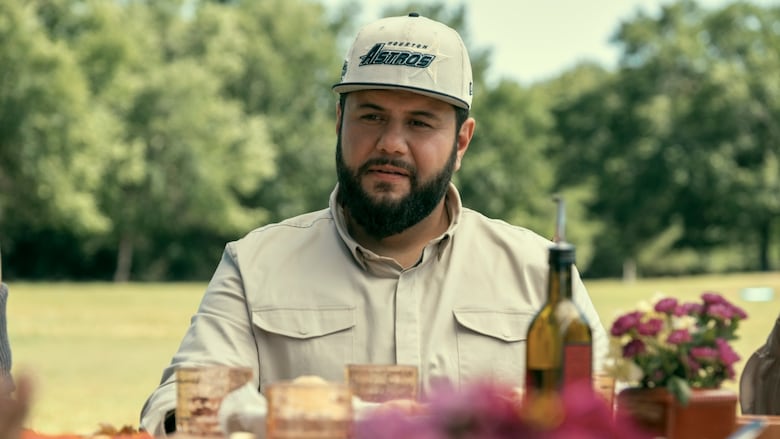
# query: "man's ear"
{"type": "Point", "coordinates": [339, 113]}
{"type": "Point", "coordinates": [463, 139]}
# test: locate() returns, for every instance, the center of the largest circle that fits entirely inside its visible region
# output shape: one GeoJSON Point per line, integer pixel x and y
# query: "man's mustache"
{"type": "Point", "coordinates": [412, 170]}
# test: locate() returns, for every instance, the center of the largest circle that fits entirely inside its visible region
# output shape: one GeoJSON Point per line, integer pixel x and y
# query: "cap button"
{"type": "Point", "coordinates": [414, 14]}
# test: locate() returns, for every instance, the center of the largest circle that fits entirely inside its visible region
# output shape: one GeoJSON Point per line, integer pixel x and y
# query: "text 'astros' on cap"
{"type": "Point", "coordinates": [411, 53]}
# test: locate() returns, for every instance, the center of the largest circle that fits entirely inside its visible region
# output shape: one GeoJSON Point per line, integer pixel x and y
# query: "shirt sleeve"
{"type": "Point", "coordinates": [219, 333]}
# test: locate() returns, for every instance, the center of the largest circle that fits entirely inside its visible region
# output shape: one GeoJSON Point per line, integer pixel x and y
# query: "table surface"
{"type": "Point", "coordinates": [772, 430]}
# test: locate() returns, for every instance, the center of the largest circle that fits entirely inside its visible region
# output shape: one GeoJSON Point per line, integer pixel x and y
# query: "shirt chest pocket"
{"type": "Point", "coordinates": [491, 344]}
{"type": "Point", "coordinates": [292, 342]}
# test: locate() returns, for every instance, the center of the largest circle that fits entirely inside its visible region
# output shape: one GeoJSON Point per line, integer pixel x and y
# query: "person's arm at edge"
{"type": "Point", "coordinates": [6, 381]}
{"type": "Point", "coordinates": [219, 333]}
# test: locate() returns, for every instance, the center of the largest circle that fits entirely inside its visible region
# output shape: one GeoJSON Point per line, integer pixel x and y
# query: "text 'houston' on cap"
{"type": "Point", "coordinates": [412, 53]}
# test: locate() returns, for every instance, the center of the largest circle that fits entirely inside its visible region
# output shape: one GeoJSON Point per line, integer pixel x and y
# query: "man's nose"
{"type": "Point", "coordinates": [392, 139]}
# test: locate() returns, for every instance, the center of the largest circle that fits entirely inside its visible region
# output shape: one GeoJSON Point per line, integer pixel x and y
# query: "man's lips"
{"type": "Point", "coordinates": [387, 169]}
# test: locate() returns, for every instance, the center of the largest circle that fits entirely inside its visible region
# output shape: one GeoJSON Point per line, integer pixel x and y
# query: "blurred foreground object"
{"type": "Point", "coordinates": [199, 394]}
{"type": "Point", "coordinates": [490, 409]}
{"type": "Point", "coordinates": [13, 411]}
{"type": "Point", "coordinates": [383, 382]}
{"type": "Point", "coordinates": [312, 408]}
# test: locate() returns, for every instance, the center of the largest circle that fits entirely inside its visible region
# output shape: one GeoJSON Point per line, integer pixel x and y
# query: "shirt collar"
{"type": "Point", "coordinates": [452, 203]}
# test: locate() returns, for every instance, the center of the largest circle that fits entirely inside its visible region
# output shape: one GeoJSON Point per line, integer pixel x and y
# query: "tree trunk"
{"type": "Point", "coordinates": [629, 270]}
{"type": "Point", "coordinates": [764, 235]}
{"type": "Point", "coordinates": [124, 258]}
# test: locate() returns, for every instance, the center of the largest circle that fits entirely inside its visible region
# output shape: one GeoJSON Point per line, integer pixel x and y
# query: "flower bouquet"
{"type": "Point", "coordinates": [676, 345]}
{"type": "Point", "coordinates": [492, 410]}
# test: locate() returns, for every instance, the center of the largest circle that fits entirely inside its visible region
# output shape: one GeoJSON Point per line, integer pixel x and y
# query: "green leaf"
{"type": "Point", "coordinates": [680, 389]}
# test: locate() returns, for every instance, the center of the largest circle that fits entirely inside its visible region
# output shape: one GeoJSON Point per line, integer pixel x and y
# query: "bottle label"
{"type": "Point", "coordinates": [577, 363]}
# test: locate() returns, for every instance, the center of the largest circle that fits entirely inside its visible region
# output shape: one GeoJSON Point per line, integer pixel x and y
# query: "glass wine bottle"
{"type": "Point", "coordinates": [559, 341]}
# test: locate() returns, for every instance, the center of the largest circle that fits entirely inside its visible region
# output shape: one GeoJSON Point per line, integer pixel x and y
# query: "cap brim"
{"type": "Point", "coordinates": [346, 87]}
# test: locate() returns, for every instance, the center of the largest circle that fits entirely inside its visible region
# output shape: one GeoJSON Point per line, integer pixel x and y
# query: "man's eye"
{"type": "Point", "coordinates": [371, 117]}
{"type": "Point", "coordinates": [419, 123]}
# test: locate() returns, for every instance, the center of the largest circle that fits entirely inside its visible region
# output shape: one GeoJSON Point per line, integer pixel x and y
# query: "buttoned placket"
{"type": "Point", "coordinates": [407, 319]}
{"type": "Point", "coordinates": [408, 316]}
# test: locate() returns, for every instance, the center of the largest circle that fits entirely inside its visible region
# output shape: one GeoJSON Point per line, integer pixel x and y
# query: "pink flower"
{"type": "Point", "coordinates": [720, 311]}
{"type": "Point", "coordinates": [666, 305]}
{"type": "Point", "coordinates": [730, 371]}
{"type": "Point", "coordinates": [482, 409]}
{"type": "Point", "coordinates": [738, 312]}
{"type": "Point", "coordinates": [625, 323]}
{"type": "Point", "coordinates": [692, 364]}
{"type": "Point", "coordinates": [687, 341]}
{"type": "Point", "coordinates": [633, 348]}
{"type": "Point", "coordinates": [490, 410]}
{"type": "Point", "coordinates": [704, 353]}
{"type": "Point", "coordinates": [690, 309]}
{"type": "Point", "coordinates": [679, 336]}
{"type": "Point", "coordinates": [651, 327]}
{"type": "Point", "coordinates": [392, 424]}
{"type": "Point", "coordinates": [587, 416]}
{"type": "Point", "coordinates": [725, 353]}
{"type": "Point", "coordinates": [711, 298]}
{"type": "Point", "coordinates": [720, 308]}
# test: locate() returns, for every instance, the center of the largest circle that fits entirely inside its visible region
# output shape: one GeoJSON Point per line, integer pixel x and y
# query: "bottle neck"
{"type": "Point", "coordinates": [559, 286]}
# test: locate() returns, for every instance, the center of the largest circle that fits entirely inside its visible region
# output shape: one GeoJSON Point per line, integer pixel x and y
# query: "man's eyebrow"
{"type": "Point", "coordinates": [370, 106]}
{"type": "Point", "coordinates": [426, 114]}
{"type": "Point", "coordinates": [418, 113]}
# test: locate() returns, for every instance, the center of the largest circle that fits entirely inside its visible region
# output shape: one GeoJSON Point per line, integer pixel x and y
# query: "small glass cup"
{"type": "Point", "coordinates": [383, 382]}
{"type": "Point", "coordinates": [308, 410]}
{"type": "Point", "coordinates": [604, 386]}
{"type": "Point", "coordinates": [199, 393]}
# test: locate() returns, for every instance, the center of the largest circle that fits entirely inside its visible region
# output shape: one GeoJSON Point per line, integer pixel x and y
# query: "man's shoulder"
{"type": "Point", "coordinates": [477, 222]}
{"type": "Point", "coordinates": [304, 224]}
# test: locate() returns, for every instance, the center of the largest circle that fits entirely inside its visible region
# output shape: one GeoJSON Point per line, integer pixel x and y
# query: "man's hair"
{"type": "Point", "coordinates": [461, 114]}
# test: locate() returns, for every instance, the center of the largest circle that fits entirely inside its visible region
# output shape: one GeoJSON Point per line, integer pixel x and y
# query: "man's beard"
{"type": "Point", "coordinates": [383, 218]}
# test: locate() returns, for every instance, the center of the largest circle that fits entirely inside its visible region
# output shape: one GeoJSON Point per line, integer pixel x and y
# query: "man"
{"type": "Point", "coordinates": [395, 270]}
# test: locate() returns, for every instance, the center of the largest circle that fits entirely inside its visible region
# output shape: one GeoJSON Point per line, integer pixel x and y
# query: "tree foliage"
{"type": "Point", "coordinates": [50, 157]}
{"type": "Point", "coordinates": [684, 136]}
{"type": "Point", "coordinates": [136, 137]}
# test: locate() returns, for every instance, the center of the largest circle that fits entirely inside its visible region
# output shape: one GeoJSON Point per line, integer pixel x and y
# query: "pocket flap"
{"type": "Point", "coordinates": [304, 323]}
{"type": "Point", "coordinates": [503, 325]}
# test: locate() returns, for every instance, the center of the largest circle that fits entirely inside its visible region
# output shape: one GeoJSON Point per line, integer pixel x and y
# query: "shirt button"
{"type": "Point", "coordinates": [303, 331]}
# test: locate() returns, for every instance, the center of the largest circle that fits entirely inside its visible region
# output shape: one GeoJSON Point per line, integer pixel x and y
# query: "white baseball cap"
{"type": "Point", "coordinates": [410, 53]}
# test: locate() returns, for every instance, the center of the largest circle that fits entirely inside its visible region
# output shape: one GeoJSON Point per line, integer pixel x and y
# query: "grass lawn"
{"type": "Point", "coordinates": [96, 350]}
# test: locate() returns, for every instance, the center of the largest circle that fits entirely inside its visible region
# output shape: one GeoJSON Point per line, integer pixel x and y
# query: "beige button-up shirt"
{"type": "Point", "coordinates": [301, 297]}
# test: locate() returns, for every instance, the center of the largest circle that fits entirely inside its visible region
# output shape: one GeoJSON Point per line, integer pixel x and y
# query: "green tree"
{"type": "Point", "coordinates": [189, 158]}
{"type": "Point", "coordinates": [681, 145]}
{"type": "Point", "coordinates": [582, 228]}
{"type": "Point", "coordinates": [184, 156]}
{"type": "Point", "coordinates": [735, 116]}
{"type": "Point", "coordinates": [279, 59]}
{"type": "Point", "coordinates": [506, 174]}
{"type": "Point", "coordinates": [50, 138]}
{"type": "Point", "coordinates": [190, 154]}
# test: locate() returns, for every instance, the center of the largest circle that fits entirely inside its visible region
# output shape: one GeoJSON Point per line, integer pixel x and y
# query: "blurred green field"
{"type": "Point", "coordinates": [96, 350]}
